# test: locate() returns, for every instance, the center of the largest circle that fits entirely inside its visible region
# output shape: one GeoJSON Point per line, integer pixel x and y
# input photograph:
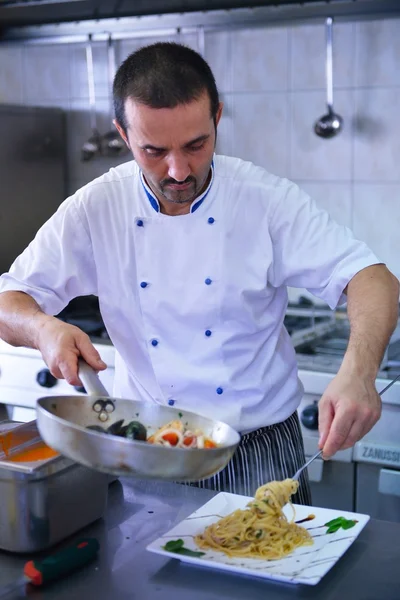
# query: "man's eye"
{"type": "Point", "coordinates": [196, 147]}
{"type": "Point", "coordinates": [153, 152]}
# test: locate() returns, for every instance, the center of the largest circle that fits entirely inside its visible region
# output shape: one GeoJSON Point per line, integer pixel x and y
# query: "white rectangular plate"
{"type": "Point", "coordinates": [307, 564]}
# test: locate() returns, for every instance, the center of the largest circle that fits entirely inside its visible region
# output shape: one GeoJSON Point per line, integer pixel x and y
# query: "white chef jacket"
{"type": "Point", "coordinates": [194, 304]}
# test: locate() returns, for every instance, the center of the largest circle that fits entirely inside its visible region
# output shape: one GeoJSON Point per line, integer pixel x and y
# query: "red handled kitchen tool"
{"type": "Point", "coordinates": [41, 572]}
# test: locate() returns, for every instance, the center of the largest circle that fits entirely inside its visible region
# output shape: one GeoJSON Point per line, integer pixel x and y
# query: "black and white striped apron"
{"type": "Point", "coordinates": [270, 453]}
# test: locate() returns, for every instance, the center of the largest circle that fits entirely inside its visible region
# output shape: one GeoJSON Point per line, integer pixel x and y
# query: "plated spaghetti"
{"type": "Point", "coordinates": [261, 530]}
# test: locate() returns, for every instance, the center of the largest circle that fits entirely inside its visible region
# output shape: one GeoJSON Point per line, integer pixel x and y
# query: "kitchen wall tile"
{"type": "Point", "coordinates": [308, 55]}
{"type": "Point", "coordinates": [335, 198]}
{"type": "Point", "coordinates": [312, 157]}
{"type": "Point", "coordinates": [260, 59]}
{"type": "Point", "coordinates": [46, 73]}
{"type": "Point", "coordinates": [377, 220]}
{"type": "Point", "coordinates": [74, 185]}
{"type": "Point", "coordinates": [78, 131]}
{"type": "Point", "coordinates": [262, 122]}
{"type": "Point", "coordinates": [225, 127]}
{"type": "Point", "coordinates": [378, 53]}
{"type": "Point", "coordinates": [129, 46]}
{"type": "Point", "coordinates": [78, 71]}
{"type": "Point", "coordinates": [260, 130]}
{"type": "Point", "coordinates": [126, 47]}
{"type": "Point", "coordinates": [11, 80]}
{"type": "Point", "coordinates": [45, 102]}
{"type": "Point", "coordinates": [188, 39]}
{"type": "Point", "coordinates": [218, 54]}
{"type": "Point", "coordinates": [377, 138]}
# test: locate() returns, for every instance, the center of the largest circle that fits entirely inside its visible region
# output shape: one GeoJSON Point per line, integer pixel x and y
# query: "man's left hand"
{"type": "Point", "coordinates": [348, 409]}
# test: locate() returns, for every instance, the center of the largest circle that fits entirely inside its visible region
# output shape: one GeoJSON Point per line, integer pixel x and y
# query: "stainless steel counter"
{"type": "Point", "coordinates": [139, 512]}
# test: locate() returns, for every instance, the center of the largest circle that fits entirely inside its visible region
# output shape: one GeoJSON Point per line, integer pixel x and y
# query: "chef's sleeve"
{"type": "Point", "coordinates": [58, 264]}
{"type": "Point", "coordinates": [311, 250]}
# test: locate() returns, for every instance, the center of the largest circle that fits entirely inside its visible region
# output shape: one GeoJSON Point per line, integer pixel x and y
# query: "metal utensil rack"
{"type": "Point", "coordinates": [316, 329]}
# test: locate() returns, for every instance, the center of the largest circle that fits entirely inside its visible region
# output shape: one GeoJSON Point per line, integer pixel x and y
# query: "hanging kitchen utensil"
{"type": "Point", "coordinates": [331, 123]}
{"type": "Point", "coordinates": [92, 147]}
{"type": "Point", "coordinates": [63, 421]}
{"type": "Point", "coordinates": [112, 143]}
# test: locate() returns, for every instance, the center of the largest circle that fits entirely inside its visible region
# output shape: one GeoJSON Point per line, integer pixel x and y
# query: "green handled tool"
{"type": "Point", "coordinates": [41, 572]}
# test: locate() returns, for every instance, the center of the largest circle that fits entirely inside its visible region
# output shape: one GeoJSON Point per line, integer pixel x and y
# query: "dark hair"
{"type": "Point", "coordinates": [163, 75]}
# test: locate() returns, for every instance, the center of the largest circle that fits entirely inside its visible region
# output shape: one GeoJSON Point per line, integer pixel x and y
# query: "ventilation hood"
{"type": "Point", "coordinates": [34, 12]}
{"type": "Point", "coordinates": [26, 13]}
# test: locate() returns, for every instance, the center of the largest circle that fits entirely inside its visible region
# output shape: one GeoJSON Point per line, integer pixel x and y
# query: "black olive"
{"type": "Point", "coordinates": [136, 431]}
{"type": "Point", "coordinates": [96, 428]}
{"type": "Point", "coordinates": [115, 428]}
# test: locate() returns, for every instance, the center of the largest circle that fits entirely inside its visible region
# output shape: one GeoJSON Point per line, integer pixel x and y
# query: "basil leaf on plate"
{"type": "Point", "coordinates": [339, 522]}
{"type": "Point", "coordinates": [173, 545]}
{"type": "Point", "coordinates": [348, 524]}
{"type": "Point", "coordinates": [333, 528]}
{"type": "Point", "coordinates": [177, 547]}
{"type": "Point", "coordinates": [336, 521]}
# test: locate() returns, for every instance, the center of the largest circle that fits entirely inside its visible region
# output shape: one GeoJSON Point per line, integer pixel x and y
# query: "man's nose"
{"type": "Point", "coordinates": [178, 168]}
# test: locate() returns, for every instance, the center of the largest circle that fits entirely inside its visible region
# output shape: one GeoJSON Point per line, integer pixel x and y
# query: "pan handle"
{"type": "Point", "coordinates": [90, 380]}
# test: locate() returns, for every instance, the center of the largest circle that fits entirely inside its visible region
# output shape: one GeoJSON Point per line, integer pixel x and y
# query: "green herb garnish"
{"type": "Point", "coordinates": [180, 415]}
{"type": "Point", "coordinates": [339, 522]}
{"type": "Point", "coordinates": [177, 546]}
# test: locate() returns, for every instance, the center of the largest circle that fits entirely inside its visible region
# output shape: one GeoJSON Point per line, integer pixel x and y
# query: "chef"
{"type": "Point", "coordinates": [190, 255]}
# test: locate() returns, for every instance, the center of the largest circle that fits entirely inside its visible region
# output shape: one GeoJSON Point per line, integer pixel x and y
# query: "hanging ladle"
{"type": "Point", "coordinates": [111, 142]}
{"type": "Point", "coordinates": [331, 123]}
{"type": "Point", "coordinates": [91, 147]}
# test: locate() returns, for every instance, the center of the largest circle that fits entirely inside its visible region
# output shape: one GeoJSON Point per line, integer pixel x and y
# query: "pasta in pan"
{"type": "Point", "coordinates": [172, 435]}
{"type": "Point", "coordinates": [176, 435]}
{"type": "Point", "coordinates": [261, 530]}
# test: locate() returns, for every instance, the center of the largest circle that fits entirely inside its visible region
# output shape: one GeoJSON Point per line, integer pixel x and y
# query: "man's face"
{"type": "Point", "coordinates": [174, 148]}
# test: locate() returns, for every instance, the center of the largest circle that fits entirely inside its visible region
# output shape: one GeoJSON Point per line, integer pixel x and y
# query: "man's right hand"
{"type": "Point", "coordinates": [61, 345]}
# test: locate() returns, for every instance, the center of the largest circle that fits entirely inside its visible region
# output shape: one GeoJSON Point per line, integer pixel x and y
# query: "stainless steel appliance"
{"type": "Point", "coordinates": [365, 478]}
{"type": "Point", "coordinates": [43, 501]}
{"type": "Point", "coordinates": [332, 483]}
{"type": "Point", "coordinates": [32, 174]}
{"type": "Point", "coordinates": [377, 460]}
{"type": "Point", "coordinates": [24, 377]}
{"type": "Point", "coordinates": [32, 186]}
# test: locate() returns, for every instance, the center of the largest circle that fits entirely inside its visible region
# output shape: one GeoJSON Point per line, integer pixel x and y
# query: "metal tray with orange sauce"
{"type": "Point", "coordinates": [45, 497]}
{"type": "Point", "coordinates": [22, 444]}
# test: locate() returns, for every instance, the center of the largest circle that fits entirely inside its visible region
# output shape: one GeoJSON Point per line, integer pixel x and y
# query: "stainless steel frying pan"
{"type": "Point", "coordinates": [62, 421]}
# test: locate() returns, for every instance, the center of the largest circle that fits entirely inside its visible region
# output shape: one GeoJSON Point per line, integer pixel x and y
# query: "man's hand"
{"type": "Point", "coordinates": [61, 345]}
{"type": "Point", "coordinates": [351, 406]}
{"type": "Point", "coordinates": [348, 409]}
{"type": "Point", "coordinates": [23, 323]}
